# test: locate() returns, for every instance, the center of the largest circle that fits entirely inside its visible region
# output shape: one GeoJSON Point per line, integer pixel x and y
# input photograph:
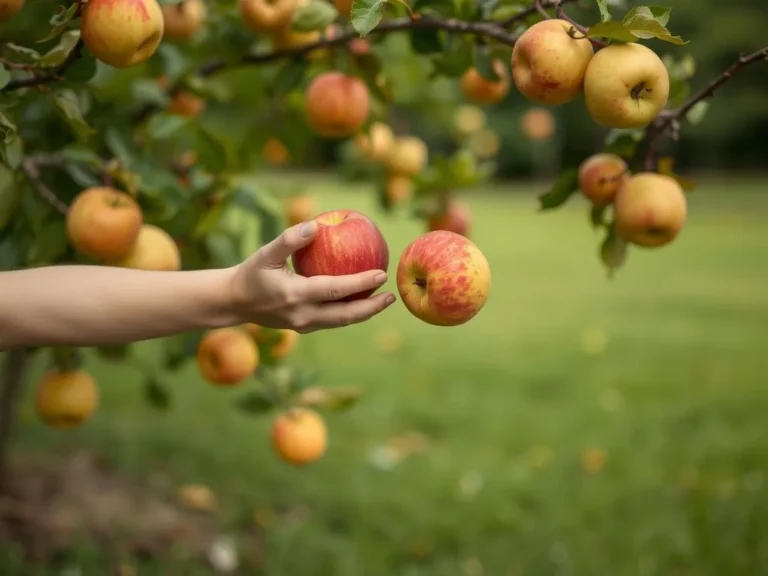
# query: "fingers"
{"type": "Point", "coordinates": [338, 314]}
{"type": "Point", "coordinates": [332, 288]}
{"type": "Point", "coordinates": [275, 254]}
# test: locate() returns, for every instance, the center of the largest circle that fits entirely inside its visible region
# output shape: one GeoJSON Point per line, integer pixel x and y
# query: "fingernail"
{"type": "Point", "coordinates": [381, 278]}
{"type": "Point", "coordinates": [390, 299]}
{"type": "Point", "coordinates": [307, 229]}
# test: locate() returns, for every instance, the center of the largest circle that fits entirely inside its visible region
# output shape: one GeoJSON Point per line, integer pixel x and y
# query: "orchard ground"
{"type": "Point", "coordinates": [576, 426]}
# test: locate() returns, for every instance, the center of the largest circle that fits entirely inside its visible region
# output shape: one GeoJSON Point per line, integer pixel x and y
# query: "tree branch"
{"type": "Point", "coordinates": [48, 75]}
{"type": "Point", "coordinates": [670, 120]}
{"type": "Point", "coordinates": [530, 11]}
{"type": "Point", "coordinates": [32, 172]}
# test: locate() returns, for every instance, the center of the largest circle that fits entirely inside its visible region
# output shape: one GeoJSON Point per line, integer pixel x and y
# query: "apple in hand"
{"type": "Point", "coordinates": [650, 210]}
{"type": "Point", "coordinates": [548, 65]}
{"type": "Point", "coordinates": [443, 278]}
{"type": "Point", "coordinates": [227, 356]}
{"type": "Point", "coordinates": [626, 86]}
{"type": "Point", "coordinates": [481, 90]}
{"type": "Point", "coordinates": [184, 19]}
{"type": "Point", "coordinates": [154, 249]}
{"type": "Point", "coordinates": [122, 33]}
{"type": "Point", "coordinates": [601, 176]}
{"type": "Point", "coordinates": [299, 436]}
{"type": "Point", "coordinates": [336, 105]}
{"type": "Point", "coordinates": [103, 223]}
{"type": "Point", "coordinates": [455, 218]}
{"type": "Point", "coordinates": [9, 9]}
{"type": "Point", "coordinates": [347, 242]}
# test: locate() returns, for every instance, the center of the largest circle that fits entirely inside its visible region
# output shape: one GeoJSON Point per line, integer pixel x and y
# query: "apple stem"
{"type": "Point", "coordinates": [637, 90]}
{"type": "Point", "coordinates": [420, 282]}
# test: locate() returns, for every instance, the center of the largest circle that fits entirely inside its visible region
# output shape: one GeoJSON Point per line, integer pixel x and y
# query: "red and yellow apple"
{"type": "Point", "coordinates": [186, 104]}
{"type": "Point", "coordinates": [626, 86]}
{"type": "Point", "coordinates": [227, 356]}
{"type": "Point", "coordinates": [601, 176]}
{"type": "Point", "coordinates": [184, 19]}
{"type": "Point", "coordinates": [650, 209]}
{"type": "Point", "coordinates": [481, 90]}
{"type": "Point", "coordinates": [103, 223]}
{"type": "Point", "coordinates": [122, 33]}
{"type": "Point", "coordinates": [455, 218]}
{"type": "Point", "coordinates": [66, 399]}
{"type": "Point", "coordinates": [347, 242]}
{"type": "Point", "coordinates": [337, 105]}
{"type": "Point", "coordinates": [154, 249]}
{"type": "Point", "coordinates": [9, 9]}
{"type": "Point", "coordinates": [548, 64]}
{"type": "Point", "coordinates": [443, 278]}
{"type": "Point", "coordinates": [299, 436]}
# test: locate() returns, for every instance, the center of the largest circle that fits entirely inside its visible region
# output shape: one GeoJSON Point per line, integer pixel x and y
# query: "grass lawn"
{"type": "Point", "coordinates": [659, 375]}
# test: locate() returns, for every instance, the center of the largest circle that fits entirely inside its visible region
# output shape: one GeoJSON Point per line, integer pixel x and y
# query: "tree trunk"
{"type": "Point", "coordinates": [13, 376]}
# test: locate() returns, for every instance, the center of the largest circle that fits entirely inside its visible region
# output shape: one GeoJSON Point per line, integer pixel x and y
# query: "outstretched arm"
{"type": "Point", "coordinates": [100, 305]}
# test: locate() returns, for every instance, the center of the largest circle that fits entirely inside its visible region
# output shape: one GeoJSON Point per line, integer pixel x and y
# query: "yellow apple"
{"type": "Point", "coordinates": [299, 436]}
{"type": "Point", "coordinates": [650, 210]}
{"type": "Point", "coordinates": [66, 399]}
{"type": "Point", "coordinates": [601, 176]}
{"type": "Point", "coordinates": [154, 249]}
{"type": "Point", "coordinates": [399, 188]}
{"type": "Point", "coordinates": [184, 19]}
{"type": "Point", "coordinates": [626, 86]}
{"type": "Point", "coordinates": [468, 119]}
{"type": "Point", "coordinates": [266, 15]}
{"type": "Point", "coordinates": [548, 65]}
{"type": "Point", "coordinates": [408, 157]}
{"type": "Point", "coordinates": [377, 143]}
{"type": "Point", "coordinates": [122, 33]}
{"type": "Point", "coordinates": [227, 356]}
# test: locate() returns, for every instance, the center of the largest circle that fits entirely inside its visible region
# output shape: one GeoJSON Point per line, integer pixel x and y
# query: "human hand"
{"type": "Point", "coordinates": [266, 292]}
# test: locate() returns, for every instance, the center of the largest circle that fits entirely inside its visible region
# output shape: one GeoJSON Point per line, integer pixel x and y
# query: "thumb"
{"type": "Point", "coordinates": [277, 252]}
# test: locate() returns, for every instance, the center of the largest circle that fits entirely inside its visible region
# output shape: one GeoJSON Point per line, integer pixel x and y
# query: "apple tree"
{"type": "Point", "coordinates": [160, 116]}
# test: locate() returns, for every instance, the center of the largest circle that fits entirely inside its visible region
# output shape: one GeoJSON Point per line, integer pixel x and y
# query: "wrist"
{"type": "Point", "coordinates": [222, 301]}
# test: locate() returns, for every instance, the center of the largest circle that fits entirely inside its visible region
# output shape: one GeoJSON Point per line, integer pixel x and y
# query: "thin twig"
{"type": "Point", "coordinates": [670, 120]}
{"type": "Point", "coordinates": [49, 75]}
{"type": "Point", "coordinates": [32, 172]}
{"type": "Point", "coordinates": [527, 12]}
{"type": "Point", "coordinates": [540, 9]}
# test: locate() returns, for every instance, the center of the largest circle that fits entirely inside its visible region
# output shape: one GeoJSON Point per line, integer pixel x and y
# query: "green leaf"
{"type": "Point", "coordinates": [611, 30]}
{"type": "Point", "coordinates": [118, 146]}
{"type": "Point", "coordinates": [11, 150]}
{"type": "Point", "coordinates": [484, 64]}
{"type": "Point", "coordinates": [50, 243]}
{"type": "Point", "coordinates": [60, 21]}
{"type": "Point", "coordinates": [426, 41]}
{"type": "Point", "coordinates": [366, 15]}
{"type": "Point", "coordinates": [20, 54]}
{"type": "Point", "coordinates": [564, 187]}
{"type": "Point", "coordinates": [256, 402]}
{"type": "Point", "coordinates": [208, 222]}
{"type": "Point", "coordinates": [697, 113]}
{"type": "Point", "coordinates": [597, 215]}
{"type": "Point", "coordinates": [290, 76]}
{"type": "Point", "coordinates": [114, 353]}
{"type": "Point", "coordinates": [10, 193]}
{"type": "Point", "coordinates": [613, 251]}
{"type": "Point", "coordinates": [68, 106]}
{"type": "Point", "coordinates": [661, 13]}
{"type": "Point", "coordinates": [211, 151]}
{"type": "Point", "coordinates": [642, 23]}
{"type": "Point", "coordinates": [82, 70]}
{"type": "Point", "coordinates": [252, 199]}
{"type": "Point", "coordinates": [5, 77]}
{"type": "Point", "coordinates": [605, 13]}
{"type": "Point", "coordinates": [164, 125]}
{"type": "Point", "coordinates": [156, 394]}
{"type": "Point", "coordinates": [623, 142]}
{"type": "Point", "coordinates": [224, 250]}
{"type": "Point", "coordinates": [59, 53]}
{"type": "Point", "coordinates": [316, 15]}
{"type": "Point", "coordinates": [456, 58]}
{"type": "Point", "coordinates": [148, 91]}
{"type": "Point", "coordinates": [81, 155]}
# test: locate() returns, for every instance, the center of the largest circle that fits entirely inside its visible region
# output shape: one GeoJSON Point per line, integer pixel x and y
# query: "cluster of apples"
{"type": "Point", "coordinates": [649, 209]}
